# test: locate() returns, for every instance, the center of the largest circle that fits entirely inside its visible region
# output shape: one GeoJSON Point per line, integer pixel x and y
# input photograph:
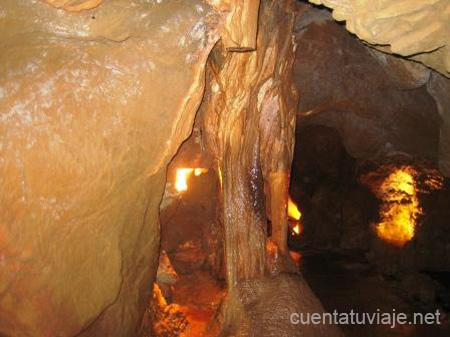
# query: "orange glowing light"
{"type": "Point", "coordinates": [401, 207]}
{"type": "Point", "coordinates": [297, 229]}
{"type": "Point", "coordinates": [293, 211]}
{"type": "Point", "coordinates": [181, 179]}
{"type": "Point", "coordinates": [220, 175]}
{"type": "Point", "coordinates": [183, 175]}
{"type": "Point", "coordinates": [199, 171]}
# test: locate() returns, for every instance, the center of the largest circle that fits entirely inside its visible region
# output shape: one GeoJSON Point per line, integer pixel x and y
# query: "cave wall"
{"type": "Point", "coordinates": [96, 98]}
{"type": "Point", "coordinates": [439, 87]}
{"type": "Point", "coordinates": [84, 84]}
{"type": "Point", "coordinates": [336, 209]}
{"type": "Point", "coordinates": [415, 29]}
{"type": "Point", "coordinates": [191, 233]}
{"type": "Point", "coordinates": [82, 164]}
{"type": "Point", "coordinates": [360, 105]}
{"type": "Point", "coordinates": [378, 103]}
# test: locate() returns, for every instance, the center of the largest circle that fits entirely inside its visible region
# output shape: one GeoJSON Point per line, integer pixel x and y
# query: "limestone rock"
{"type": "Point", "coordinates": [420, 287]}
{"type": "Point", "coordinates": [241, 23]}
{"type": "Point", "coordinates": [82, 165]}
{"type": "Point", "coordinates": [406, 75]}
{"type": "Point", "coordinates": [416, 29]}
{"type": "Point", "coordinates": [233, 109]}
{"type": "Point", "coordinates": [166, 274]}
{"type": "Point", "coordinates": [269, 303]}
{"type": "Point", "coordinates": [439, 88]}
{"type": "Point", "coordinates": [348, 86]}
{"type": "Point", "coordinates": [74, 5]}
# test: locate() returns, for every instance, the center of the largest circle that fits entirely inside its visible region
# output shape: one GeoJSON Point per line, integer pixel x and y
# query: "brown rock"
{"type": "Point", "coordinates": [439, 88]}
{"type": "Point", "coordinates": [233, 112]}
{"type": "Point", "coordinates": [270, 302]}
{"type": "Point", "coordinates": [420, 287]}
{"type": "Point", "coordinates": [82, 165]}
{"type": "Point", "coordinates": [413, 28]}
{"type": "Point", "coordinates": [241, 23]}
{"type": "Point", "coordinates": [74, 5]}
{"type": "Point", "coordinates": [406, 75]}
{"type": "Point", "coordinates": [343, 85]}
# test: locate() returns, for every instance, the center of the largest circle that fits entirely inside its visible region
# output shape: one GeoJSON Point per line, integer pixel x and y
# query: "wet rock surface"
{"type": "Point", "coordinates": [93, 106]}
{"type": "Point", "coordinates": [82, 164]}
{"type": "Point", "coordinates": [249, 123]}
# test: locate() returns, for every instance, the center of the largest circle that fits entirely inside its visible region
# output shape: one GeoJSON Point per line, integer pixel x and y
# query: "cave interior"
{"type": "Point", "coordinates": [210, 167]}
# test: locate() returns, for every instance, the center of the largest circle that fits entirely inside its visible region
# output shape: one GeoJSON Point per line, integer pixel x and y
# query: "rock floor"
{"type": "Point", "coordinates": [343, 283]}
{"type": "Point", "coordinates": [198, 296]}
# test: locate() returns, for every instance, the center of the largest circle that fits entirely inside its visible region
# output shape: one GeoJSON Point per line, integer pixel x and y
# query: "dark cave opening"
{"type": "Point", "coordinates": [342, 251]}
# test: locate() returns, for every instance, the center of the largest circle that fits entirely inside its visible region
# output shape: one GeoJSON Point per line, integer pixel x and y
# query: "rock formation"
{"type": "Point", "coordinates": [96, 97]}
{"type": "Point", "coordinates": [74, 5]}
{"type": "Point", "coordinates": [82, 163]}
{"type": "Point", "coordinates": [240, 117]}
{"type": "Point", "coordinates": [381, 104]}
{"type": "Point", "coordinates": [439, 87]}
{"type": "Point", "coordinates": [419, 30]}
{"type": "Point", "coordinates": [249, 123]}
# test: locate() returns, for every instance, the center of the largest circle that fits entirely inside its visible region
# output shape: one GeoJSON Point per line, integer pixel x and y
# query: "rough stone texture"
{"type": "Point", "coordinates": [416, 29]}
{"type": "Point", "coordinates": [82, 164]}
{"type": "Point", "coordinates": [351, 87]}
{"type": "Point", "coordinates": [337, 197]}
{"type": "Point", "coordinates": [241, 23]}
{"type": "Point", "coordinates": [270, 301]}
{"type": "Point", "coordinates": [439, 88]}
{"type": "Point", "coordinates": [249, 123]}
{"type": "Point", "coordinates": [190, 228]}
{"type": "Point", "coordinates": [336, 209]}
{"type": "Point", "coordinates": [404, 74]}
{"type": "Point", "coordinates": [430, 249]}
{"type": "Point", "coordinates": [233, 110]}
{"type": "Point", "coordinates": [74, 5]}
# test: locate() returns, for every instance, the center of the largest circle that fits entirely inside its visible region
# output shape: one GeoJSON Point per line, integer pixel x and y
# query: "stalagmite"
{"type": "Point", "coordinates": [233, 123]}
{"type": "Point", "coordinates": [248, 119]}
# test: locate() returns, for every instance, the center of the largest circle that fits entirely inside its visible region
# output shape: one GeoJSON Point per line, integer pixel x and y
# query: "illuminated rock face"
{"type": "Point", "coordinates": [416, 29]}
{"type": "Point", "coordinates": [249, 126]}
{"type": "Point", "coordinates": [249, 122]}
{"type": "Point", "coordinates": [87, 127]}
{"type": "Point", "coordinates": [74, 5]}
{"type": "Point", "coordinates": [371, 98]}
{"type": "Point", "coordinates": [401, 209]}
{"type": "Point", "coordinates": [94, 104]}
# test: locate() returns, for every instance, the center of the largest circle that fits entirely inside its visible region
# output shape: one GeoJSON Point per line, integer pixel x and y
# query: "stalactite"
{"type": "Point", "coordinates": [249, 118]}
